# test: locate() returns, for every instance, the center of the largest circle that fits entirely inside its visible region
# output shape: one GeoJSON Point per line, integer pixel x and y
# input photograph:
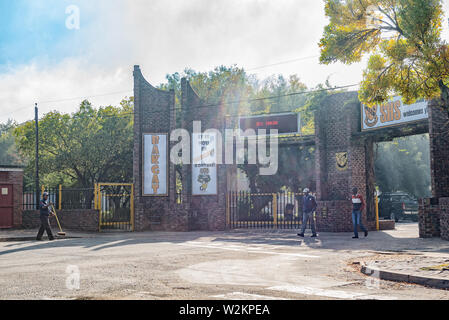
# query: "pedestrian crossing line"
{"type": "Point", "coordinates": [248, 250]}
{"type": "Point", "coordinates": [338, 294]}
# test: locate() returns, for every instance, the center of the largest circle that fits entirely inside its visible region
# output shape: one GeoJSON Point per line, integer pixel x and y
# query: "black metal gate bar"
{"type": "Point", "coordinates": [281, 210]}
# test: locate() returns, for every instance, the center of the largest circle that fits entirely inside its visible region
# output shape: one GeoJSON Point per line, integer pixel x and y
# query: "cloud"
{"type": "Point", "coordinates": [163, 36]}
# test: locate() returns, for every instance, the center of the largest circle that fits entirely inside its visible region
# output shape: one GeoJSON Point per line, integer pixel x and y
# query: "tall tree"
{"type": "Point", "coordinates": [8, 149]}
{"type": "Point", "coordinates": [402, 37]}
{"type": "Point", "coordinates": [91, 145]}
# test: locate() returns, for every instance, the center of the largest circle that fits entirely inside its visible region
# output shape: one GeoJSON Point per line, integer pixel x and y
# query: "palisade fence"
{"type": "Point", "coordinates": [63, 198]}
{"type": "Point", "coordinates": [281, 210]}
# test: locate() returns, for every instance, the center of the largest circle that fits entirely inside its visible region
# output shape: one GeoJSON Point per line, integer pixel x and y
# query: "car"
{"type": "Point", "coordinates": [398, 205]}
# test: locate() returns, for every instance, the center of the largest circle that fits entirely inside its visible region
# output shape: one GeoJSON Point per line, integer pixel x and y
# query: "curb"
{"type": "Point", "coordinates": [432, 282]}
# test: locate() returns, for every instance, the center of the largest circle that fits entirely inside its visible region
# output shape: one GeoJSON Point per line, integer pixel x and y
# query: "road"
{"type": "Point", "coordinates": [210, 265]}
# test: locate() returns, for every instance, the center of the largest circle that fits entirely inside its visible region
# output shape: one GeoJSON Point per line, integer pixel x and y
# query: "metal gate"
{"type": "Point", "coordinates": [115, 202]}
{"type": "Point", "coordinates": [281, 210]}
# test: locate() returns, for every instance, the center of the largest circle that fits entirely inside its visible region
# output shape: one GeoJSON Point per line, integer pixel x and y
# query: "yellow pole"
{"type": "Point", "coordinates": [60, 197]}
{"type": "Point", "coordinates": [99, 206]}
{"type": "Point", "coordinates": [377, 212]}
{"type": "Point", "coordinates": [43, 189]}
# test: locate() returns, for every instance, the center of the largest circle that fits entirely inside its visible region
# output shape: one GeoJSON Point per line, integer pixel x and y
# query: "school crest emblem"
{"type": "Point", "coordinates": [371, 117]}
{"type": "Point", "coordinates": [341, 160]}
{"type": "Point", "coordinates": [204, 178]}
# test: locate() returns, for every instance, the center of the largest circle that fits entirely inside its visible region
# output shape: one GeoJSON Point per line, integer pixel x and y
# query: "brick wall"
{"type": "Point", "coordinates": [444, 218]}
{"type": "Point", "coordinates": [429, 218]}
{"type": "Point", "coordinates": [336, 216]}
{"type": "Point", "coordinates": [439, 149]}
{"type": "Point", "coordinates": [14, 177]}
{"type": "Point", "coordinates": [80, 220]}
{"type": "Point", "coordinates": [153, 113]}
{"type": "Point", "coordinates": [206, 212]}
{"type": "Point", "coordinates": [337, 123]}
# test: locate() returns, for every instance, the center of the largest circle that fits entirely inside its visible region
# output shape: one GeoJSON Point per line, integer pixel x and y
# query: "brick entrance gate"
{"type": "Point", "coordinates": [344, 158]}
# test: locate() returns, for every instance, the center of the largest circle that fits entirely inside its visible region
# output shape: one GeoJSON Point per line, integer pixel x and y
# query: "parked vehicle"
{"type": "Point", "coordinates": [398, 205]}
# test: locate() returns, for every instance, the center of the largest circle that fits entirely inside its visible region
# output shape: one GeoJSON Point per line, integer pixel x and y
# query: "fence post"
{"type": "Point", "coordinates": [132, 207]}
{"type": "Point", "coordinates": [60, 197]}
{"type": "Point", "coordinates": [275, 209]}
{"type": "Point", "coordinates": [95, 197]}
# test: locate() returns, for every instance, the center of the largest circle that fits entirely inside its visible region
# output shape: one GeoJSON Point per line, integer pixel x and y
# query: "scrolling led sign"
{"type": "Point", "coordinates": [285, 123]}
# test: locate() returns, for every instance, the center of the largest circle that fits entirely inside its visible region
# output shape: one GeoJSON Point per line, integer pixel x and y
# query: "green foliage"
{"type": "Point", "coordinates": [404, 165]}
{"type": "Point", "coordinates": [402, 37]}
{"type": "Point", "coordinates": [88, 146]}
{"type": "Point", "coordinates": [8, 148]}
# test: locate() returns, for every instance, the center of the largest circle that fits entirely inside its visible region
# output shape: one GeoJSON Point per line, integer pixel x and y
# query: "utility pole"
{"type": "Point", "coordinates": [36, 119]}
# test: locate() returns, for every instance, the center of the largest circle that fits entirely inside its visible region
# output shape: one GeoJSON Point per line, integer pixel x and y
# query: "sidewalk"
{"type": "Point", "coordinates": [431, 270]}
{"type": "Point", "coordinates": [29, 235]}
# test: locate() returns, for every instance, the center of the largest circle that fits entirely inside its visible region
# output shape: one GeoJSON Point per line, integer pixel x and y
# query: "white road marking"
{"type": "Point", "coordinates": [246, 249]}
{"type": "Point", "coordinates": [330, 293]}
{"type": "Point", "coordinates": [245, 296]}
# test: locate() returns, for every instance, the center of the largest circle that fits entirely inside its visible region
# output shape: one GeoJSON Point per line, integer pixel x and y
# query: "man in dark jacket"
{"type": "Point", "coordinates": [308, 208]}
{"type": "Point", "coordinates": [44, 205]}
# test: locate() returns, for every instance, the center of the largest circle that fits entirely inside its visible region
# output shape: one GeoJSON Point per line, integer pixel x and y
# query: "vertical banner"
{"type": "Point", "coordinates": [204, 164]}
{"type": "Point", "coordinates": [155, 165]}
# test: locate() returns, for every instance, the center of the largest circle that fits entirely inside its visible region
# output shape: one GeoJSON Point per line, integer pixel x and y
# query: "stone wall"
{"type": "Point", "coordinates": [79, 220]}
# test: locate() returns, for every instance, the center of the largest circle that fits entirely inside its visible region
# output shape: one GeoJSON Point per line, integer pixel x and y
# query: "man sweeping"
{"type": "Point", "coordinates": [44, 205]}
{"type": "Point", "coordinates": [308, 208]}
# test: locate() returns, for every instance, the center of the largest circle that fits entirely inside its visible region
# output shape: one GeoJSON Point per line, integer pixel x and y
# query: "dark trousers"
{"type": "Point", "coordinates": [306, 216]}
{"type": "Point", "coordinates": [45, 226]}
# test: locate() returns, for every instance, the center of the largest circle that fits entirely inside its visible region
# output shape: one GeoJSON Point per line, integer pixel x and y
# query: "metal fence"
{"type": "Point", "coordinates": [63, 198]}
{"type": "Point", "coordinates": [281, 210]}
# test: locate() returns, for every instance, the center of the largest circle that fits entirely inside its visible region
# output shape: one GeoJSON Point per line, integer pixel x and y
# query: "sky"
{"type": "Point", "coordinates": [47, 58]}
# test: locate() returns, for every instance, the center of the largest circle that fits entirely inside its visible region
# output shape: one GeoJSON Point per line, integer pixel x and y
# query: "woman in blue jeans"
{"type": "Point", "coordinates": [358, 204]}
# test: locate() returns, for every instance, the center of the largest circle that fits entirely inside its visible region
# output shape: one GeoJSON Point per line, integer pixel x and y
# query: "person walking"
{"type": "Point", "coordinates": [358, 204]}
{"type": "Point", "coordinates": [44, 205]}
{"type": "Point", "coordinates": [308, 208]}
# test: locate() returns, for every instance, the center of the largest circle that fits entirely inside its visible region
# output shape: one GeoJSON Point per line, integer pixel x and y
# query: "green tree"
{"type": "Point", "coordinates": [402, 37]}
{"type": "Point", "coordinates": [88, 146]}
{"type": "Point", "coordinates": [8, 149]}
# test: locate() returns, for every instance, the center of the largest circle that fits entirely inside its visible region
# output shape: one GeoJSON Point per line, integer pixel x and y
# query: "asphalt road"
{"type": "Point", "coordinates": [205, 265]}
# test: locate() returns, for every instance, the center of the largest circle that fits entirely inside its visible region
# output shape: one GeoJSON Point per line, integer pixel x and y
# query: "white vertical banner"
{"type": "Point", "coordinates": [204, 164]}
{"type": "Point", "coordinates": [155, 165]}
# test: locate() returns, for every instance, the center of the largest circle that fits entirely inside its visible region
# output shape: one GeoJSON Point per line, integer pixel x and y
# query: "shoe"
{"type": "Point", "coordinates": [314, 235]}
{"type": "Point", "coordinates": [301, 234]}
{"type": "Point", "coordinates": [51, 239]}
{"type": "Point", "coordinates": [366, 233]}
{"type": "Point", "coordinates": [39, 239]}
{"type": "Point", "coordinates": [355, 237]}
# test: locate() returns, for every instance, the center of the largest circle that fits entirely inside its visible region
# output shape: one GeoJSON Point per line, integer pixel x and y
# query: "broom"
{"type": "Point", "coordinates": [60, 233]}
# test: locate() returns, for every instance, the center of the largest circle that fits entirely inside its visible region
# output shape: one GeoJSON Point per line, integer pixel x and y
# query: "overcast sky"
{"type": "Point", "coordinates": [42, 60]}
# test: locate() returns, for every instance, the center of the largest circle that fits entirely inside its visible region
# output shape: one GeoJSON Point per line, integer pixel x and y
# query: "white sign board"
{"type": "Point", "coordinates": [4, 191]}
{"type": "Point", "coordinates": [392, 113]}
{"type": "Point", "coordinates": [155, 165]}
{"type": "Point", "coordinates": [204, 164]}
